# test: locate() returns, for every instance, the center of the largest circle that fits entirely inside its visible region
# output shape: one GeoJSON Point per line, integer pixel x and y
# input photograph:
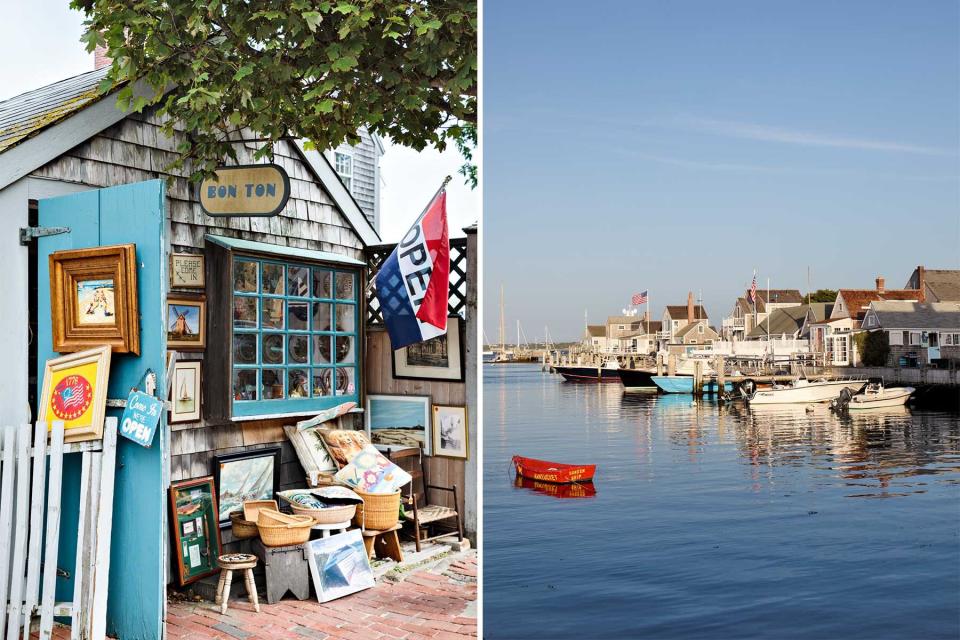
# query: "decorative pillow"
{"type": "Point", "coordinates": [310, 450]}
{"type": "Point", "coordinates": [371, 472]}
{"type": "Point", "coordinates": [343, 444]}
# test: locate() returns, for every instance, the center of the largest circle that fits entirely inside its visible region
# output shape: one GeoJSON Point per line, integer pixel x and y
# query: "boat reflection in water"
{"type": "Point", "coordinates": [570, 490]}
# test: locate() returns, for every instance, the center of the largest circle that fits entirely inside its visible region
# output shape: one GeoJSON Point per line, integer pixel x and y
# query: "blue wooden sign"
{"type": "Point", "coordinates": [140, 418]}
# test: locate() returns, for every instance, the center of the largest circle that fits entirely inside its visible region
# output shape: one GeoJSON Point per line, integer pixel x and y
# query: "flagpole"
{"type": "Point", "coordinates": [443, 185]}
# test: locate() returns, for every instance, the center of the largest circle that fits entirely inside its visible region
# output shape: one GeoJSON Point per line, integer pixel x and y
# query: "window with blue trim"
{"type": "Point", "coordinates": [295, 336]}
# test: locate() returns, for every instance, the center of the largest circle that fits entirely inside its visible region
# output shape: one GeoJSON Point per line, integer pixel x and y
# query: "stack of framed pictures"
{"type": "Point", "coordinates": [394, 421]}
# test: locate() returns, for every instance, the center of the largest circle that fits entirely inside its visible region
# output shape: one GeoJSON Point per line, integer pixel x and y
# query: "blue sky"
{"type": "Point", "coordinates": [679, 146]}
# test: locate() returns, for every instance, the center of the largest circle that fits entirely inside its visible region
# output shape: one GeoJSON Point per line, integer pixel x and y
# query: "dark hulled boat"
{"type": "Point", "coordinates": [637, 379]}
{"type": "Point", "coordinates": [588, 374]}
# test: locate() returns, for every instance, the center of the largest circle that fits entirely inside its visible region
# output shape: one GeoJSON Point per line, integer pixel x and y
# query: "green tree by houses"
{"type": "Point", "coordinates": [823, 295]}
{"type": "Point", "coordinates": [311, 69]}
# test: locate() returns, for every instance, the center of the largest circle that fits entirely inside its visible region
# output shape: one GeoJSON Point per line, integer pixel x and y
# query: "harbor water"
{"type": "Point", "coordinates": [710, 521]}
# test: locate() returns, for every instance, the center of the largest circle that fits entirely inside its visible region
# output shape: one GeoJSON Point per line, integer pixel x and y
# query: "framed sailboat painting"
{"type": "Point", "coordinates": [185, 392]}
{"type": "Point", "coordinates": [248, 475]}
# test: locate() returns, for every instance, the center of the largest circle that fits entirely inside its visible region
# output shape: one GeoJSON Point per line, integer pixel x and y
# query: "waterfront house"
{"type": "Point", "coordinates": [782, 323]}
{"type": "Point", "coordinates": [693, 336]}
{"type": "Point", "coordinates": [935, 285]}
{"type": "Point", "coordinates": [77, 172]}
{"type": "Point", "coordinates": [812, 329]}
{"type": "Point", "coordinates": [918, 333]}
{"type": "Point", "coordinates": [746, 315]}
{"type": "Point", "coordinates": [677, 316]}
{"type": "Point", "coordinates": [595, 338]}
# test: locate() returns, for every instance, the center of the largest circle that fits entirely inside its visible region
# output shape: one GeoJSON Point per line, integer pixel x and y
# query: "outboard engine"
{"type": "Point", "coordinates": [747, 388]}
{"type": "Point", "coordinates": [841, 402]}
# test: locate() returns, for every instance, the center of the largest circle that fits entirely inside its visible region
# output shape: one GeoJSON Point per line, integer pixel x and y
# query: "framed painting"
{"type": "Point", "coordinates": [75, 391]}
{"type": "Point", "coordinates": [339, 565]}
{"type": "Point", "coordinates": [398, 421]}
{"type": "Point", "coordinates": [196, 536]}
{"type": "Point", "coordinates": [249, 475]}
{"type": "Point", "coordinates": [185, 391]}
{"type": "Point", "coordinates": [187, 271]}
{"type": "Point", "coordinates": [93, 299]}
{"type": "Point", "coordinates": [439, 358]}
{"type": "Point", "coordinates": [186, 323]}
{"type": "Point", "coordinates": [450, 432]}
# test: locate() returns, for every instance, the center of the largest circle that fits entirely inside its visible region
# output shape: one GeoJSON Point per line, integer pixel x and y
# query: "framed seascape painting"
{"type": "Point", "coordinates": [75, 391]}
{"type": "Point", "coordinates": [185, 391]}
{"type": "Point", "coordinates": [186, 323]}
{"type": "Point", "coordinates": [250, 475]}
{"type": "Point", "coordinates": [398, 421]}
{"type": "Point", "coordinates": [339, 565]}
{"type": "Point", "coordinates": [439, 358]}
{"type": "Point", "coordinates": [93, 299]}
{"type": "Point", "coordinates": [450, 432]}
{"type": "Point", "coordinates": [196, 536]}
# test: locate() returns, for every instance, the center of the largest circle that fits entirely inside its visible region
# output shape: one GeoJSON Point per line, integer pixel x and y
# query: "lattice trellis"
{"type": "Point", "coordinates": [457, 296]}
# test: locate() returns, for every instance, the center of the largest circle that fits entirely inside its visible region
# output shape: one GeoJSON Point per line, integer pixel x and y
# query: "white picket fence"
{"type": "Point", "coordinates": [30, 514]}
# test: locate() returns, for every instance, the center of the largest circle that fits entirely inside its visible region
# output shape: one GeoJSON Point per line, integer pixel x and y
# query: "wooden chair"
{"type": "Point", "coordinates": [417, 498]}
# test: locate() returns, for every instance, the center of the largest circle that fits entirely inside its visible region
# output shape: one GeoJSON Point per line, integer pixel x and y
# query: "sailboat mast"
{"type": "Point", "coordinates": [502, 349]}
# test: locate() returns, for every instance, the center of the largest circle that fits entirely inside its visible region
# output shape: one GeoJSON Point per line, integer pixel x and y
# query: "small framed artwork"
{"type": "Point", "coordinates": [398, 421]}
{"type": "Point", "coordinates": [186, 323]}
{"type": "Point", "coordinates": [93, 299]}
{"type": "Point", "coordinates": [196, 536]}
{"type": "Point", "coordinates": [187, 271]}
{"type": "Point", "coordinates": [75, 391]}
{"type": "Point", "coordinates": [439, 358]}
{"type": "Point", "coordinates": [249, 475]}
{"type": "Point", "coordinates": [339, 565]}
{"type": "Point", "coordinates": [450, 432]}
{"type": "Point", "coordinates": [185, 391]}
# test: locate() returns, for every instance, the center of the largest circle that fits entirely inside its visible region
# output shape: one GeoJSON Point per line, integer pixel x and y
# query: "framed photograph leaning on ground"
{"type": "Point", "coordinates": [450, 432]}
{"type": "Point", "coordinates": [439, 358]}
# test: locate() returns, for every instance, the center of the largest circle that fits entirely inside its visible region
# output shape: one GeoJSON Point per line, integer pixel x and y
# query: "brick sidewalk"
{"type": "Point", "coordinates": [436, 602]}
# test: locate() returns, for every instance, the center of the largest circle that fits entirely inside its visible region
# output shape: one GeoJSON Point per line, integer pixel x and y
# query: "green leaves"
{"type": "Point", "coordinates": [319, 70]}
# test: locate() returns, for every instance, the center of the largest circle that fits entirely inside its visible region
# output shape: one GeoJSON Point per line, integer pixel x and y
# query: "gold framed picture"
{"type": "Point", "coordinates": [75, 391]}
{"type": "Point", "coordinates": [450, 432]}
{"type": "Point", "coordinates": [187, 271]}
{"type": "Point", "coordinates": [93, 299]}
{"type": "Point", "coordinates": [185, 392]}
{"type": "Point", "coordinates": [186, 323]}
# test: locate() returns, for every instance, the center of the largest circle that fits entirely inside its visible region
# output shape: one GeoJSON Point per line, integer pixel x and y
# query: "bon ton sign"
{"type": "Point", "coordinates": [246, 190]}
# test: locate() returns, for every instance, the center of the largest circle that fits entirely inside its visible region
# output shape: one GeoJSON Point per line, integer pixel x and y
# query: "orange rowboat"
{"type": "Point", "coordinates": [556, 472]}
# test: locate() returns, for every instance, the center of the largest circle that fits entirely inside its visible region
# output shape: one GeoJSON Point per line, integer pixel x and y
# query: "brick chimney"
{"type": "Point", "coordinates": [922, 282]}
{"type": "Point", "coordinates": [690, 314]}
{"type": "Point", "coordinates": [880, 283]}
{"type": "Point", "coordinates": [100, 58]}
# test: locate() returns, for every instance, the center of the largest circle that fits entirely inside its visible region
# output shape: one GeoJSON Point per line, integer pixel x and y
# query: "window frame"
{"type": "Point", "coordinates": [346, 178]}
{"type": "Point", "coordinates": [268, 407]}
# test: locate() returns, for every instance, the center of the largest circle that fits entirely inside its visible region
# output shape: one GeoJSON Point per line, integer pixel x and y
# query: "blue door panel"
{"type": "Point", "coordinates": [126, 214]}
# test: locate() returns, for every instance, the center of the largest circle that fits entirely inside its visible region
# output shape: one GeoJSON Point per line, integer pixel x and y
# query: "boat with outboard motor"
{"type": "Point", "coordinates": [804, 391]}
{"type": "Point", "coordinates": [875, 395]}
{"type": "Point", "coordinates": [581, 373]}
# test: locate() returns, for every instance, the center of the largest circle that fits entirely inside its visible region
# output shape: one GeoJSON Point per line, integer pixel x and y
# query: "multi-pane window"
{"type": "Point", "coordinates": [343, 164]}
{"type": "Point", "coordinates": [294, 336]}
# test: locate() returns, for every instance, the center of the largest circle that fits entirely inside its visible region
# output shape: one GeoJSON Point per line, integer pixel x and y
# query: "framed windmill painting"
{"type": "Point", "coordinates": [186, 323]}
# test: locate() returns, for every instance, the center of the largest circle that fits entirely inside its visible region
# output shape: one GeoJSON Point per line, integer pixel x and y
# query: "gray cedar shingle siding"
{"type": "Point", "coordinates": [363, 184]}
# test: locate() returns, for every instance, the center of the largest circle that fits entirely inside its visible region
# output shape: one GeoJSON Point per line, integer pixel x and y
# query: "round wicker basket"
{"type": "Point", "coordinates": [379, 511]}
{"type": "Point", "coordinates": [330, 515]}
{"type": "Point", "coordinates": [279, 534]}
{"type": "Point", "coordinates": [242, 529]}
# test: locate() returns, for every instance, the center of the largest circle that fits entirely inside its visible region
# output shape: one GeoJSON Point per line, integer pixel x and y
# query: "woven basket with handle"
{"type": "Point", "coordinates": [280, 530]}
{"type": "Point", "coordinates": [242, 528]}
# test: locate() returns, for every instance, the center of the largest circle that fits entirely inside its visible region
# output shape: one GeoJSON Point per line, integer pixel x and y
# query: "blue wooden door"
{"type": "Point", "coordinates": [118, 215]}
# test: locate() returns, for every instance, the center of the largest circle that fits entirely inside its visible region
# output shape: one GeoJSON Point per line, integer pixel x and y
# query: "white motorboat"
{"type": "Point", "coordinates": [875, 395]}
{"type": "Point", "coordinates": [803, 391]}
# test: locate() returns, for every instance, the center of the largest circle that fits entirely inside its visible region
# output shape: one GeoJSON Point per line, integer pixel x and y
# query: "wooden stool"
{"type": "Point", "coordinates": [385, 543]}
{"type": "Point", "coordinates": [285, 569]}
{"type": "Point", "coordinates": [325, 529]}
{"type": "Point", "coordinates": [236, 562]}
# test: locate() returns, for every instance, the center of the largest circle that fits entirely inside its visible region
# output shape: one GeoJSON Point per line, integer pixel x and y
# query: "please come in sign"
{"type": "Point", "coordinates": [246, 190]}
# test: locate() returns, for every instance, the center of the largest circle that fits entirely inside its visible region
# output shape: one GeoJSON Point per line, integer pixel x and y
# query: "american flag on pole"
{"type": "Point", "coordinates": [639, 298]}
{"type": "Point", "coordinates": [753, 289]}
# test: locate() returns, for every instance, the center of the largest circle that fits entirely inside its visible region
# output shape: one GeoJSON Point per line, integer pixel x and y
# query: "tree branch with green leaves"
{"type": "Point", "coordinates": [317, 70]}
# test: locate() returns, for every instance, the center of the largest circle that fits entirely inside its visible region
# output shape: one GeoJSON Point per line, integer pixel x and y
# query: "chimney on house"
{"type": "Point", "coordinates": [100, 58]}
{"type": "Point", "coordinates": [880, 283]}
{"type": "Point", "coordinates": [690, 307]}
{"type": "Point", "coordinates": [922, 282]}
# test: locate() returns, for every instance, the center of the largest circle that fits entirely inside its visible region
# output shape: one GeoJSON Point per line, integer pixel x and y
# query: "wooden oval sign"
{"type": "Point", "coordinates": [246, 190]}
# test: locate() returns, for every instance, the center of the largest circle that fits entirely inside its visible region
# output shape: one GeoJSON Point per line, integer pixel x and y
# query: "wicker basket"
{"type": "Point", "coordinates": [242, 529]}
{"type": "Point", "coordinates": [252, 507]}
{"type": "Point", "coordinates": [330, 515]}
{"type": "Point", "coordinates": [379, 511]}
{"type": "Point", "coordinates": [284, 535]}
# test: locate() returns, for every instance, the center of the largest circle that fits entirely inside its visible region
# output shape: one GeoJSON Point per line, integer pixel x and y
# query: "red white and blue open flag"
{"type": "Point", "coordinates": [412, 283]}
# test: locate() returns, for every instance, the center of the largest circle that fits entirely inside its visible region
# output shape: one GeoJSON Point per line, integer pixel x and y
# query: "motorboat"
{"type": "Point", "coordinates": [684, 384]}
{"type": "Point", "coordinates": [637, 379]}
{"type": "Point", "coordinates": [608, 372]}
{"type": "Point", "coordinates": [875, 395]}
{"type": "Point", "coordinates": [804, 391]}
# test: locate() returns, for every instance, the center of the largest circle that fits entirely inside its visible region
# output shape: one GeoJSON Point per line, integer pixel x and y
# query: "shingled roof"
{"type": "Point", "coordinates": [777, 296]}
{"type": "Point", "coordinates": [679, 312]}
{"type": "Point", "coordinates": [943, 284]}
{"type": "Point", "coordinates": [28, 113]}
{"type": "Point", "coordinates": [596, 330]}
{"type": "Point", "coordinates": [787, 321]}
{"type": "Point", "coordinates": [857, 300]}
{"type": "Point", "coordinates": [897, 314]}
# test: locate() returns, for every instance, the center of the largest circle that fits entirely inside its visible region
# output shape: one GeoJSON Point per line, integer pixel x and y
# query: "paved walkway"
{"type": "Point", "coordinates": [436, 602]}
